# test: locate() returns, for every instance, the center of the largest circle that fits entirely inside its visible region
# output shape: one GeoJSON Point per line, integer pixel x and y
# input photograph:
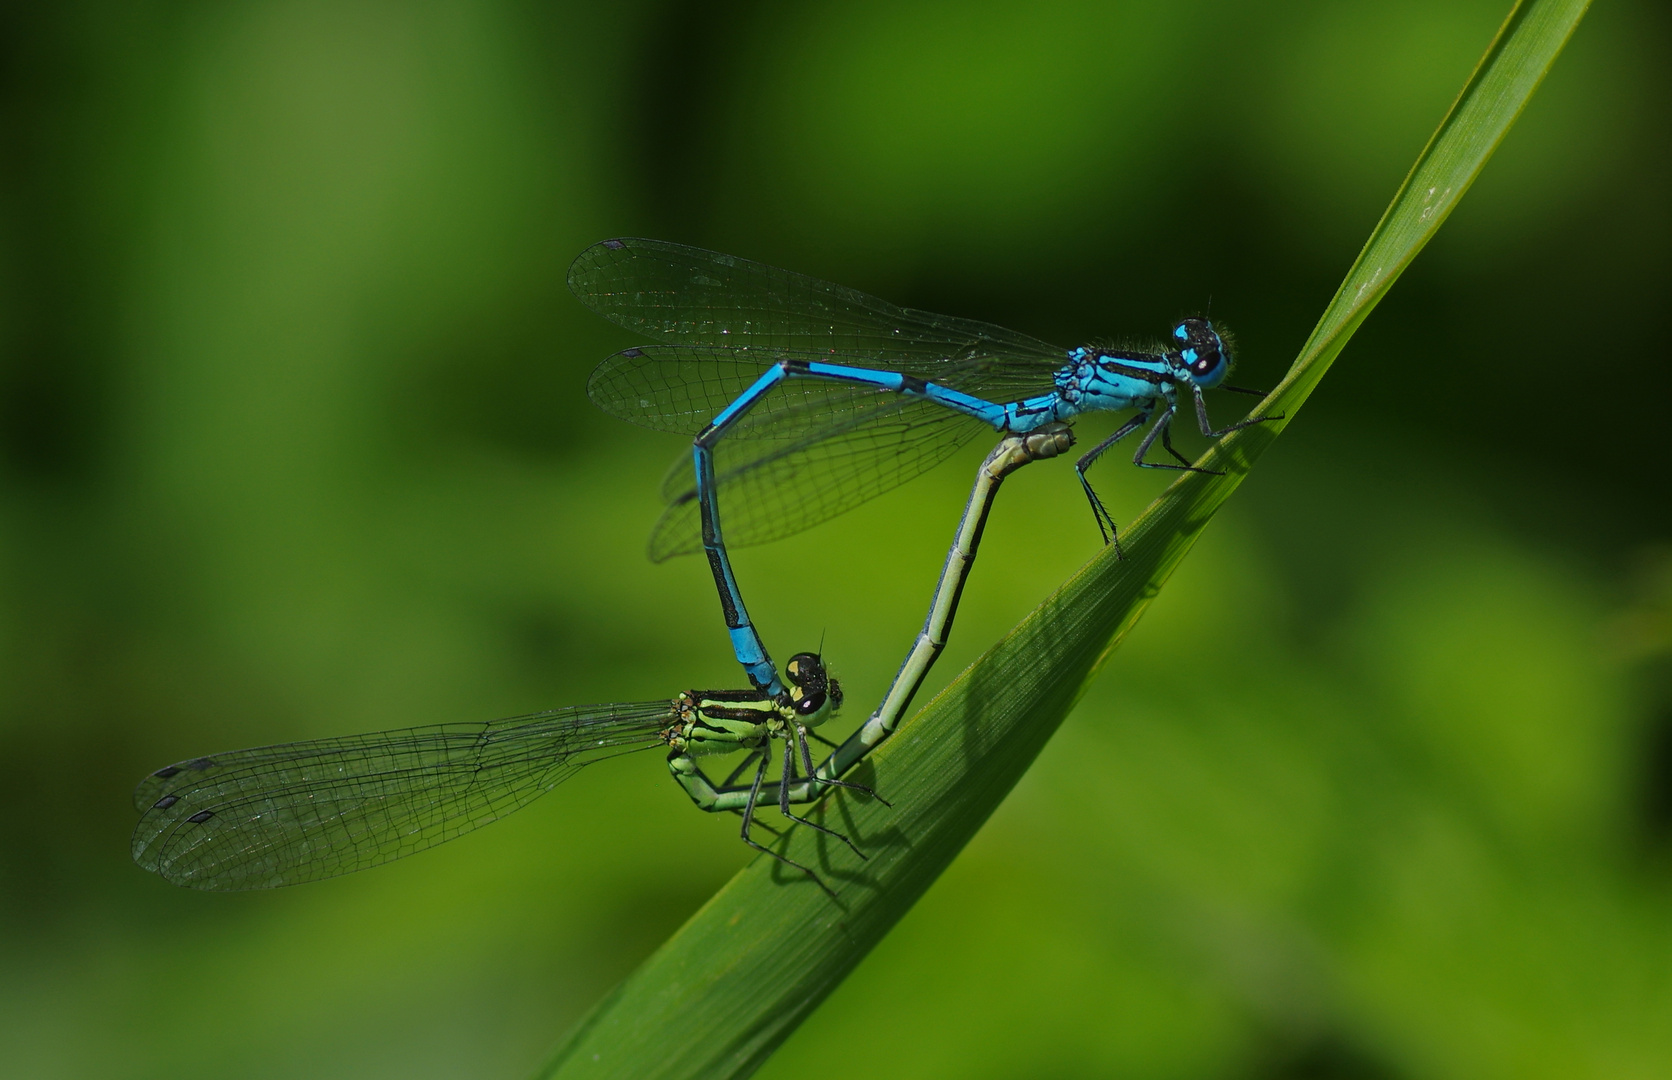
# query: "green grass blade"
{"type": "Point", "coordinates": [737, 979]}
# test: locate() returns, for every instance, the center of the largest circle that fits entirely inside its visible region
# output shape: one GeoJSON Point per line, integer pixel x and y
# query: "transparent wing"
{"type": "Point", "coordinates": [682, 389]}
{"type": "Point", "coordinates": [279, 815]}
{"type": "Point", "coordinates": [770, 489]}
{"type": "Point", "coordinates": [688, 296]}
{"type": "Point", "coordinates": [721, 322]}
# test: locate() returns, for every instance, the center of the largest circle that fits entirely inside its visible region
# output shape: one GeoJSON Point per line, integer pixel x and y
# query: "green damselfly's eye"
{"type": "Point", "coordinates": [806, 670]}
{"type": "Point", "coordinates": [809, 704]}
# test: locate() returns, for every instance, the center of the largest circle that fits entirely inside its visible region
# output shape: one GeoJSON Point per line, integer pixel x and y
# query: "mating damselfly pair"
{"type": "Point", "coordinates": [803, 399]}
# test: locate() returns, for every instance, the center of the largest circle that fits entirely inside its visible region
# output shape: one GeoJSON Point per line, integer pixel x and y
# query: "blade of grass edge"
{"type": "Point", "coordinates": [720, 995]}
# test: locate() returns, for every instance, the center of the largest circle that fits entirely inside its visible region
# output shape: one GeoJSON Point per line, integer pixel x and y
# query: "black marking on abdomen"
{"type": "Point", "coordinates": [750, 715]}
{"type": "Point", "coordinates": [910, 384]}
{"type": "Point", "coordinates": [728, 610]}
{"type": "Point", "coordinates": [1141, 374]}
{"type": "Point", "coordinates": [728, 695]}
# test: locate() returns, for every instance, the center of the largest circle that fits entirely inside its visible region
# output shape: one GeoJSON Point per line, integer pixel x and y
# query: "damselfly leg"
{"type": "Point", "coordinates": [806, 398]}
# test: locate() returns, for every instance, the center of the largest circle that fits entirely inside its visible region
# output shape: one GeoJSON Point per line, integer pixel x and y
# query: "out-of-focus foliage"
{"type": "Point", "coordinates": [719, 997]}
{"type": "Point", "coordinates": [293, 442]}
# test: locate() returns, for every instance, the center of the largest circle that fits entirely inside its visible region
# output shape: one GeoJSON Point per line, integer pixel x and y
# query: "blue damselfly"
{"type": "Point", "coordinates": [807, 398]}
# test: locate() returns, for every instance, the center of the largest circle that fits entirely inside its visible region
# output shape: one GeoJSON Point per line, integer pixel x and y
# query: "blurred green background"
{"type": "Point", "coordinates": [294, 442]}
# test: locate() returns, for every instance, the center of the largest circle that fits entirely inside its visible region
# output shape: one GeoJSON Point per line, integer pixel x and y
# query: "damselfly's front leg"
{"type": "Point", "coordinates": [749, 819]}
{"type": "Point", "coordinates": [817, 782]}
{"type": "Point", "coordinates": [1207, 426]}
{"type": "Point", "coordinates": [1105, 520]}
{"type": "Point", "coordinates": [1163, 431]}
{"type": "Point", "coordinates": [789, 777]}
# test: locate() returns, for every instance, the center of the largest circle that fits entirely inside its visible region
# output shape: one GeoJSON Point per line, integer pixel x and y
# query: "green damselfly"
{"type": "Point", "coordinates": [305, 811]}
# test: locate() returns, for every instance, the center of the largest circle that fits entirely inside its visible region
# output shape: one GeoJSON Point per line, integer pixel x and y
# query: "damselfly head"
{"type": "Point", "coordinates": [1201, 350]}
{"type": "Point", "coordinates": [814, 694]}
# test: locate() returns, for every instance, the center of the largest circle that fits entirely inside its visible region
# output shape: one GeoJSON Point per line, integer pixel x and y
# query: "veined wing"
{"type": "Point", "coordinates": [770, 489]}
{"type": "Point", "coordinates": [688, 296]}
{"type": "Point", "coordinates": [682, 388]}
{"type": "Point", "coordinates": [279, 815]}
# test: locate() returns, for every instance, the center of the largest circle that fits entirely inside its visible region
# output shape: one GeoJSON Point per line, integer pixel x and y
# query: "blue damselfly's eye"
{"type": "Point", "coordinates": [1195, 332]}
{"type": "Point", "coordinates": [1202, 350]}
